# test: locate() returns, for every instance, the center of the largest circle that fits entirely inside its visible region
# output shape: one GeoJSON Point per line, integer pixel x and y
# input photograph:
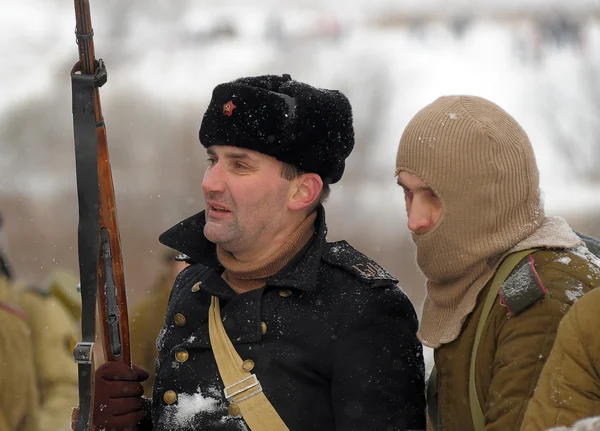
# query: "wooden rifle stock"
{"type": "Point", "coordinates": [98, 238]}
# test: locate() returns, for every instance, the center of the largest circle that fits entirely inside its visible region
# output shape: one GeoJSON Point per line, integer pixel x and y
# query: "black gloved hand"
{"type": "Point", "coordinates": [118, 401]}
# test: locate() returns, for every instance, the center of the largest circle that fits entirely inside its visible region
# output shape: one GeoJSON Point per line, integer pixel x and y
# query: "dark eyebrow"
{"type": "Point", "coordinates": [231, 155]}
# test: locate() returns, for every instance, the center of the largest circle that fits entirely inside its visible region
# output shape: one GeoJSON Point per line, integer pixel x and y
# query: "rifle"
{"type": "Point", "coordinates": [99, 246]}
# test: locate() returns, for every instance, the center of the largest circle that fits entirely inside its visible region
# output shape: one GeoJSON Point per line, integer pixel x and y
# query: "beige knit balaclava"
{"type": "Point", "coordinates": [480, 163]}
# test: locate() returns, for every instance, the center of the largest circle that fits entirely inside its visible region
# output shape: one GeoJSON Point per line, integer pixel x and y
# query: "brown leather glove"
{"type": "Point", "coordinates": [118, 401]}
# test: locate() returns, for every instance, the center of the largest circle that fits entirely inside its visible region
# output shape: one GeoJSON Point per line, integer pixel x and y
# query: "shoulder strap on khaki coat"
{"type": "Point", "coordinates": [502, 273]}
{"type": "Point", "coordinates": [242, 389]}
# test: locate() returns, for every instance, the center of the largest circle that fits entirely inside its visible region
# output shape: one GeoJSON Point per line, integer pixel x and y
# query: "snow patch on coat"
{"type": "Point", "coordinates": [518, 281]}
{"type": "Point", "coordinates": [160, 343]}
{"type": "Point", "coordinates": [188, 406]}
{"type": "Point", "coordinates": [583, 252]}
{"type": "Point", "coordinates": [207, 401]}
{"type": "Point", "coordinates": [522, 288]}
{"type": "Point", "coordinates": [342, 255]}
{"type": "Point", "coordinates": [239, 423]}
{"type": "Point", "coordinates": [588, 424]}
{"type": "Point", "coordinates": [575, 293]}
{"type": "Point", "coordinates": [160, 340]}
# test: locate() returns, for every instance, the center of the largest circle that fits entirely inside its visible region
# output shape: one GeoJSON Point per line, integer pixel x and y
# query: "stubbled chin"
{"type": "Point", "coordinates": [214, 231]}
{"type": "Point", "coordinates": [213, 225]}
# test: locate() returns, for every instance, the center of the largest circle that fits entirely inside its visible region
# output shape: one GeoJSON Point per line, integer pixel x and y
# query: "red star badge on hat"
{"type": "Point", "coordinates": [228, 108]}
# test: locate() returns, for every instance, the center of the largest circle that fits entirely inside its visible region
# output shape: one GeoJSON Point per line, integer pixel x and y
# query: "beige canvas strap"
{"type": "Point", "coordinates": [242, 388]}
{"type": "Point", "coordinates": [502, 273]}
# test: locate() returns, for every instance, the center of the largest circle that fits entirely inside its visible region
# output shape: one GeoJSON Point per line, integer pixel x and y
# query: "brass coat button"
{"type": "Point", "coordinates": [248, 365]}
{"type": "Point", "coordinates": [234, 409]}
{"type": "Point", "coordinates": [170, 397]}
{"type": "Point", "coordinates": [285, 293]}
{"type": "Point", "coordinates": [196, 287]}
{"type": "Point", "coordinates": [179, 319]}
{"type": "Point", "coordinates": [263, 328]}
{"type": "Point", "coordinates": [182, 355]}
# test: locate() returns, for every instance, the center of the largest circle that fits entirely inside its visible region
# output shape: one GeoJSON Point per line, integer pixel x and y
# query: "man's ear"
{"type": "Point", "coordinates": [305, 192]}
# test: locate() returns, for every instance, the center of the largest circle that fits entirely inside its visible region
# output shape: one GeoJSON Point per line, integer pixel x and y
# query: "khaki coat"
{"type": "Point", "coordinates": [512, 350]}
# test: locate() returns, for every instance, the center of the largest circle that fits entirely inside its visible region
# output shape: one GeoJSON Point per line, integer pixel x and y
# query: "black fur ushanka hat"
{"type": "Point", "coordinates": [291, 121]}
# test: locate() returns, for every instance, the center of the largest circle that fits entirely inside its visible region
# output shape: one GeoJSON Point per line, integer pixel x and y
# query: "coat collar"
{"type": "Point", "coordinates": [300, 273]}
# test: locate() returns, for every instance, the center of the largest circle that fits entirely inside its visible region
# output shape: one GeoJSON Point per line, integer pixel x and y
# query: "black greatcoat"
{"type": "Point", "coordinates": [332, 337]}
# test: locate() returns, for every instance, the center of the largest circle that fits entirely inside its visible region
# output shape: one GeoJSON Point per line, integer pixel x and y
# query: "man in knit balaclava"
{"type": "Point", "coordinates": [471, 186]}
{"type": "Point", "coordinates": [271, 327]}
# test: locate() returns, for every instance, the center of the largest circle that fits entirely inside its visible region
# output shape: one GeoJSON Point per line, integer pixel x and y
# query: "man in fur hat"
{"type": "Point", "coordinates": [471, 187]}
{"type": "Point", "coordinates": [271, 327]}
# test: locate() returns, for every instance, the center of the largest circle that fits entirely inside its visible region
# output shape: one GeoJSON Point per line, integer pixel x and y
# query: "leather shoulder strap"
{"type": "Point", "coordinates": [506, 267]}
{"type": "Point", "coordinates": [242, 388]}
{"type": "Point", "coordinates": [432, 400]}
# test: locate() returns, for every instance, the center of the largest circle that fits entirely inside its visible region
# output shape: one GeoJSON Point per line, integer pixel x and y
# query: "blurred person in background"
{"type": "Point", "coordinates": [19, 407]}
{"type": "Point", "coordinates": [54, 313]}
{"type": "Point", "coordinates": [147, 317]}
{"type": "Point", "coordinates": [471, 187]}
{"type": "Point", "coordinates": [569, 386]}
{"type": "Point", "coordinates": [328, 339]}
{"type": "Point", "coordinates": [53, 334]}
